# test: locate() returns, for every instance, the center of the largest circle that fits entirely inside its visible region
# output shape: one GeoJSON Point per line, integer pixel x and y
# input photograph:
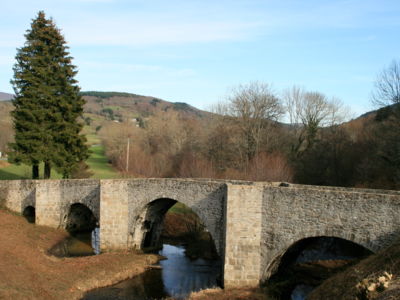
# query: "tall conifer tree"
{"type": "Point", "coordinates": [47, 103]}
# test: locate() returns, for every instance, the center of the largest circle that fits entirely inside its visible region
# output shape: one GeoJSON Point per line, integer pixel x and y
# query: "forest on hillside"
{"type": "Point", "coordinates": [244, 140]}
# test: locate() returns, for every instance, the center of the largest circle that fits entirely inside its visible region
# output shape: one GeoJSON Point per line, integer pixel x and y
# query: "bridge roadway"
{"type": "Point", "coordinates": [253, 224]}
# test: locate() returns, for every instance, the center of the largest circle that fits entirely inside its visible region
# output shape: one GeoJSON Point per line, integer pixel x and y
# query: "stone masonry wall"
{"type": "Point", "coordinates": [290, 214]}
{"type": "Point", "coordinates": [114, 213]}
{"type": "Point", "coordinates": [243, 235]}
{"type": "Point", "coordinates": [205, 198]}
{"type": "Point", "coordinates": [3, 191]}
{"type": "Point", "coordinates": [54, 198]}
{"type": "Point", "coordinates": [48, 203]}
{"type": "Point", "coordinates": [18, 194]}
{"type": "Point", "coordinates": [85, 192]}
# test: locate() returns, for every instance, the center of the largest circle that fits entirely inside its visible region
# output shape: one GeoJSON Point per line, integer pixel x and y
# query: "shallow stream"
{"type": "Point", "coordinates": [176, 276]}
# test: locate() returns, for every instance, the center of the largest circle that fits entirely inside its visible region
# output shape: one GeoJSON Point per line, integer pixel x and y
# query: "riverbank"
{"type": "Point", "coordinates": [374, 278]}
{"type": "Point", "coordinates": [27, 271]}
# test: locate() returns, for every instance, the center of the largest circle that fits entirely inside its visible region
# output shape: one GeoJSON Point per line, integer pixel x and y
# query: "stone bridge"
{"type": "Point", "coordinates": [252, 224]}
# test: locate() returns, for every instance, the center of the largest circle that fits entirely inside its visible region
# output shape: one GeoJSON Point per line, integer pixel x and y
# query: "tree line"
{"type": "Point", "coordinates": [245, 140]}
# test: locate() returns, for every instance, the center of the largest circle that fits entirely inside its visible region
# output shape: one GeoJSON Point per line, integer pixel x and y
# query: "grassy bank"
{"type": "Point", "coordinates": [97, 162]}
{"type": "Point", "coordinates": [376, 277]}
{"type": "Point", "coordinates": [28, 272]}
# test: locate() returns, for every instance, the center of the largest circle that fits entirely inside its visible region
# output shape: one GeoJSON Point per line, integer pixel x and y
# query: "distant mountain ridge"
{"type": "Point", "coordinates": [6, 96]}
{"type": "Point", "coordinates": [128, 105]}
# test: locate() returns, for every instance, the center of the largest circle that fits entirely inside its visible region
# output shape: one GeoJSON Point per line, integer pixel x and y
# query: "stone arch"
{"type": "Point", "coordinates": [29, 198]}
{"type": "Point", "coordinates": [206, 199]}
{"type": "Point", "coordinates": [87, 202]}
{"type": "Point", "coordinates": [29, 212]}
{"type": "Point", "coordinates": [292, 249]}
{"type": "Point", "coordinates": [79, 218]}
{"type": "Point", "coordinates": [147, 227]}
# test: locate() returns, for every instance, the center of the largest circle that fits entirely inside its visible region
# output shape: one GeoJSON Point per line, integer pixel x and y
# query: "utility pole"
{"type": "Point", "coordinates": [127, 156]}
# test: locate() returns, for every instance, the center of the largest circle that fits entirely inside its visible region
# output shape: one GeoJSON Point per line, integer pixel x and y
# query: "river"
{"type": "Point", "coordinates": [176, 276]}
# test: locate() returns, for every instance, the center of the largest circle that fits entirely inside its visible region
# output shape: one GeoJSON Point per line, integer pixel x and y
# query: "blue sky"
{"type": "Point", "coordinates": [194, 51]}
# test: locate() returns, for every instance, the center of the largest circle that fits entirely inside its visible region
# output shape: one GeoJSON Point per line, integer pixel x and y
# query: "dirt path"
{"type": "Point", "coordinates": [28, 272]}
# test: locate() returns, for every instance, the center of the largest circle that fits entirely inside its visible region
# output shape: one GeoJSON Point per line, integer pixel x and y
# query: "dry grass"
{"type": "Point", "coordinates": [28, 272]}
{"type": "Point", "coordinates": [345, 285]}
{"type": "Point", "coordinates": [229, 294]}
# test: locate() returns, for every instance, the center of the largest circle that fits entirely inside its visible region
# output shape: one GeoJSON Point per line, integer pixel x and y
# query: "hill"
{"type": "Point", "coordinates": [122, 106]}
{"type": "Point", "coordinates": [102, 109]}
{"type": "Point", "coordinates": [125, 106]}
{"type": "Point", "coordinates": [5, 96]}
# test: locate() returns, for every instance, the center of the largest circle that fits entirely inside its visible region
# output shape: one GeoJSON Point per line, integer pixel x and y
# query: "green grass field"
{"type": "Point", "coordinates": [93, 139]}
{"type": "Point", "coordinates": [97, 162]}
{"type": "Point", "coordinates": [23, 172]}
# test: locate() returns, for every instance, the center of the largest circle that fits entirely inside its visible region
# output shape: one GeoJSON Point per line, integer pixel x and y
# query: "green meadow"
{"type": "Point", "coordinates": [97, 162]}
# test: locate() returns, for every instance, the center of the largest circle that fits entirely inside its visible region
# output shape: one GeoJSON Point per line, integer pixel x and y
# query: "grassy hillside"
{"type": "Point", "coordinates": [124, 106]}
{"type": "Point", "coordinates": [98, 164]}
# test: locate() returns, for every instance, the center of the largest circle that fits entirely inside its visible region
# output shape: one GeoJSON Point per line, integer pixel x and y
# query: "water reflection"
{"type": "Point", "coordinates": [177, 278]}
{"type": "Point", "coordinates": [301, 291]}
{"type": "Point", "coordinates": [181, 276]}
{"type": "Point", "coordinates": [146, 286]}
{"type": "Point", "coordinates": [79, 244]}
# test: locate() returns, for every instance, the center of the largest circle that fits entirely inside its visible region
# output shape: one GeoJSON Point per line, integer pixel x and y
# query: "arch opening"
{"type": "Point", "coordinates": [84, 231]}
{"type": "Point", "coordinates": [167, 221]}
{"type": "Point", "coordinates": [30, 214]}
{"type": "Point", "coordinates": [308, 262]}
{"type": "Point", "coordinates": [80, 219]}
{"type": "Point", "coordinates": [147, 227]}
{"type": "Point", "coordinates": [176, 232]}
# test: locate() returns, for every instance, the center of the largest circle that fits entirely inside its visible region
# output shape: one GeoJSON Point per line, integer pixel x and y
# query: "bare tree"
{"type": "Point", "coordinates": [253, 107]}
{"type": "Point", "coordinates": [387, 85]}
{"type": "Point", "coordinates": [309, 111]}
{"type": "Point", "coordinates": [387, 92]}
